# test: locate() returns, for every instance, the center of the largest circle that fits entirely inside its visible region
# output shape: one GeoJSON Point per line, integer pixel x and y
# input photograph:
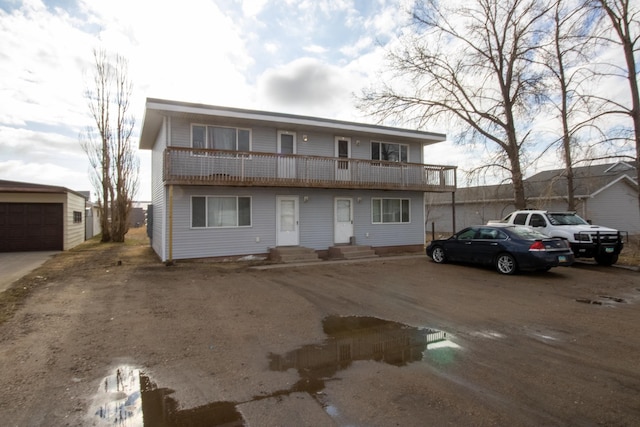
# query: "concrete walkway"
{"type": "Point", "coordinates": [15, 265]}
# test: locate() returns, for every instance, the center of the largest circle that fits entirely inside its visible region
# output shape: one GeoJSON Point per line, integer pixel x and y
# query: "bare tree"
{"type": "Point", "coordinates": [624, 17]}
{"type": "Point", "coordinates": [109, 147]}
{"type": "Point", "coordinates": [566, 57]}
{"type": "Point", "coordinates": [472, 64]}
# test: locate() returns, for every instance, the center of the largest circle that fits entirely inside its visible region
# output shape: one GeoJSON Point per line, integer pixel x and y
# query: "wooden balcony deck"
{"type": "Point", "coordinates": [188, 166]}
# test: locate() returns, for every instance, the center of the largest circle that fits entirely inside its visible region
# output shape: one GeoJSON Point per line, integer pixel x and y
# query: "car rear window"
{"type": "Point", "coordinates": [528, 234]}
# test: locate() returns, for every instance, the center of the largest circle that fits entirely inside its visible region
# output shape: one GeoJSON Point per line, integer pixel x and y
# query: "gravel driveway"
{"type": "Point", "coordinates": [110, 335]}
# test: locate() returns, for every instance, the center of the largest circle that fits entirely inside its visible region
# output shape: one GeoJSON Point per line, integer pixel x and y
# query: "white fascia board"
{"type": "Point", "coordinates": [615, 181]}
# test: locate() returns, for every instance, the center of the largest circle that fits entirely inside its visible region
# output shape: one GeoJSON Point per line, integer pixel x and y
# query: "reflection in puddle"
{"type": "Point", "coordinates": [160, 409]}
{"type": "Point", "coordinates": [358, 338]}
{"type": "Point", "coordinates": [118, 400]}
{"type": "Point", "coordinates": [129, 398]}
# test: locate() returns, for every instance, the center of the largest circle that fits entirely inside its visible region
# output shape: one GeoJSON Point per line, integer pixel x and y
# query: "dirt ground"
{"type": "Point", "coordinates": [108, 335]}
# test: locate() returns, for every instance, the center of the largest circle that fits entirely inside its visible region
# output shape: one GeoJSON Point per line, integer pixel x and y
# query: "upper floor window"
{"type": "Point", "coordinates": [390, 152]}
{"type": "Point", "coordinates": [286, 142]}
{"type": "Point", "coordinates": [220, 138]}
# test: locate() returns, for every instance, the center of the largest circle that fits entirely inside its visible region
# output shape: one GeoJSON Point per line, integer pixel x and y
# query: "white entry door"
{"type": "Point", "coordinates": [287, 221]}
{"type": "Point", "coordinates": [343, 222]}
{"type": "Point", "coordinates": [286, 146]}
{"type": "Point", "coordinates": [343, 151]}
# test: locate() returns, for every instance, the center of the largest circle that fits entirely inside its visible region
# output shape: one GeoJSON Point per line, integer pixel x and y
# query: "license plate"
{"type": "Point", "coordinates": [562, 258]}
{"type": "Point", "coordinates": [608, 250]}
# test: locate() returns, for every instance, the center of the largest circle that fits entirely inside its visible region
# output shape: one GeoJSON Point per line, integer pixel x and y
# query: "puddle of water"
{"type": "Point", "coordinates": [358, 338]}
{"type": "Point", "coordinates": [118, 400]}
{"type": "Point", "coordinates": [129, 398]}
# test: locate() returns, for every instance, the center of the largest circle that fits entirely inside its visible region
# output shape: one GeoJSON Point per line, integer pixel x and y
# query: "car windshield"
{"type": "Point", "coordinates": [528, 233]}
{"type": "Point", "coordinates": [565, 219]}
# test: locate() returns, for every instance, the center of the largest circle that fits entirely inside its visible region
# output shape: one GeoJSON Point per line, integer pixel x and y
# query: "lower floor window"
{"type": "Point", "coordinates": [390, 211]}
{"type": "Point", "coordinates": [220, 211]}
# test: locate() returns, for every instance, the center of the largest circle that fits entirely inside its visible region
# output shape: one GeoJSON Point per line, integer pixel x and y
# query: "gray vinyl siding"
{"type": "Point", "coordinates": [315, 220]}
{"type": "Point", "coordinates": [316, 215]}
{"type": "Point", "coordinates": [615, 207]}
{"type": "Point", "coordinates": [400, 234]}
{"type": "Point", "coordinates": [191, 242]}
{"type": "Point", "coordinates": [158, 230]}
{"type": "Point", "coordinates": [264, 139]}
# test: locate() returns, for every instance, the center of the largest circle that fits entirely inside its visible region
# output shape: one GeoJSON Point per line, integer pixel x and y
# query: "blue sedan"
{"type": "Point", "coordinates": [509, 248]}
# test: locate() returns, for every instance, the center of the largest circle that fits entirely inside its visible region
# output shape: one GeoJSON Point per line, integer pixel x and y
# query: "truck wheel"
{"type": "Point", "coordinates": [607, 259]}
{"type": "Point", "coordinates": [506, 264]}
{"type": "Point", "coordinates": [438, 255]}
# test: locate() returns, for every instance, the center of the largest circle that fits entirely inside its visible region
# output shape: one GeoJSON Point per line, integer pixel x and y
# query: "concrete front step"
{"type": "Point", "coordinates": [291, 254]}
{"type": "Point", "coordinates": [351, 252]}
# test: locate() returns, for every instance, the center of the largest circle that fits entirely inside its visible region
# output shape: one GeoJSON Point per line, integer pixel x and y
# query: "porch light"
{"type": "Point", "coordinates": [305, 138]}
{"type": "Point", "coordinates": [305, 199]}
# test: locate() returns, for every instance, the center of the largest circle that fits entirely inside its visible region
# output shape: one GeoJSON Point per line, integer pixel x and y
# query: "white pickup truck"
{"type": "Point", "coordinates": [586, 240]}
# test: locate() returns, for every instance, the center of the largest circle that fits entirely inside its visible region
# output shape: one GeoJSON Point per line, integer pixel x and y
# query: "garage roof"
{"type": "Point", "coordinates": [27, 187]}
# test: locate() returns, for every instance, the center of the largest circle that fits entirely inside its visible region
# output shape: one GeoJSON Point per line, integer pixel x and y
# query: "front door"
{"type": "Point", "coordinates": [343, 151]}
{"type": "Point", "coordinates": [343, 222]}
{"type": "Point", "coordinates": [286, 147]}
{"type": "Point", "coordinates": [287, 221]}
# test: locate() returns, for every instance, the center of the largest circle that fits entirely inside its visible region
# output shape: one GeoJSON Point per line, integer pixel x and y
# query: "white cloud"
{"type": "Point", "coordinates": [314, 48]}
{"type": "Point", "coordinates": [252, 8]}
{"type": "Point", "coordinates": [353, 50]}
{"type": "Point", "coordinates": [41, 67]}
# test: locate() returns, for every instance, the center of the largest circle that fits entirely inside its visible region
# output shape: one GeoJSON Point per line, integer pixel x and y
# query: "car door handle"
{"type": "Point", "coordinates": [467, 243]}
{"type": "Point", "coordinates": [494, 244]}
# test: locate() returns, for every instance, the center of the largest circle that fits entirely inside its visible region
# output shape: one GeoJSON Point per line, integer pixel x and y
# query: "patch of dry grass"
{"type": "Point", "coordinates": [630, 255]}
{"type": "Point", "coordinates": [89, 255]}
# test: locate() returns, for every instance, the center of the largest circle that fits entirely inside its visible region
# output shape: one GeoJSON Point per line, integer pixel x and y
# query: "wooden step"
{"type": "Point", "coordinates": [351, 252]}
{"type": "Point", "coordinates": [292, 254]}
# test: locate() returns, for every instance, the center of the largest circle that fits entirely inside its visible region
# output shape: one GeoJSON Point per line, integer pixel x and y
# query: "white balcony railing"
{"type": "Point", "coordinates": [220, 167]}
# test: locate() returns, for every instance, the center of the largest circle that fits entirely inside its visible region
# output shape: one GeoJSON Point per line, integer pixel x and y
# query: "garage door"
{"type": "Point", "coordinates": [31, 227]}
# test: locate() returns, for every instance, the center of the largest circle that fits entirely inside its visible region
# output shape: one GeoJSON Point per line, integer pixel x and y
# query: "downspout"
{"type": "Point", "coordinates": [170, 258]}
{"type": "Point", "coordinates": [453, 211]}
{"type": "Point", "coordinates": [168, 144]}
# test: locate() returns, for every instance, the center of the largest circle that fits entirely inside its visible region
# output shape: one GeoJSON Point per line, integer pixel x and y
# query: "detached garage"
{"type": "Point", "coordinates": [35, 217]}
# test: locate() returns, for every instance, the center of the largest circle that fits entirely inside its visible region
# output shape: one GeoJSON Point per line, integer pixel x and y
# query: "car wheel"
{"type": "Point", "coordinates": [506, 264]}
{"type": "Point", "coordinates": [607, 259]}
{"type": "Point", "coordinates": [437, 255]}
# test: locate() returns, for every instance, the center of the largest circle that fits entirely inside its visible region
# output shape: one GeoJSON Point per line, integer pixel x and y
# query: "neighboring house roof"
{"type": "Point", "coordinates": [552, 184]}
{"type": "Point", "coordinates": [156, 109]}
{"type": "Point", "coordinates": [27, 187]}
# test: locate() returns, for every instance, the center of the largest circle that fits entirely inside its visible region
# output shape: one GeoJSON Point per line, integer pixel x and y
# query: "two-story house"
{"type": "Point", "coordinates": [233, 182]}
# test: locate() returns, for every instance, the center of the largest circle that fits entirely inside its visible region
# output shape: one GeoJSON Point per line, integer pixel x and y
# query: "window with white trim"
{"type": "Point", "coordinates": [220, 138]}
{"type": "Point", "coordinates": [220, 211]}
{"type": "Point", "coordinates": [390, 211]}
{"type": "Point", "coordinates": [390, 152]}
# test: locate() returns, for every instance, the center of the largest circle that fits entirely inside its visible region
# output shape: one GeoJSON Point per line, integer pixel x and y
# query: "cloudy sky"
{"type": "Point", "coordinates": [305, 57]}
{"type": "Point", "coordinates": [294, 56]}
